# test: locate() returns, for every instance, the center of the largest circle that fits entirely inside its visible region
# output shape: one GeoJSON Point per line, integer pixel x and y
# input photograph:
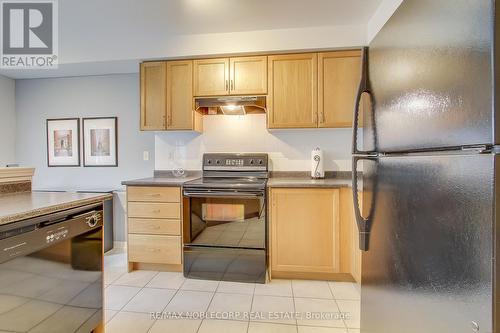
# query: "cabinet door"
{"type": "Point", "coordinates": [248, 75]}
{"type": "Point", "coordinates": [180, 114]}
{"type": "Point", "coordinates": [293, 95]}
{"type": "Point", "coordinates": [339, 75]}
{"type": "Point", "coordinates": [153, 96]}
{"type": "Point", "coordinates": [305, 230]}
{"type": "Point", "coordinates": [211, 77]}
{"type": "Point", "coordinates": [350, 254]}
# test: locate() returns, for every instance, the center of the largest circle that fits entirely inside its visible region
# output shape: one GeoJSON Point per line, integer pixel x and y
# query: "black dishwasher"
{"type": "Point", "coordinates": [51, 272]}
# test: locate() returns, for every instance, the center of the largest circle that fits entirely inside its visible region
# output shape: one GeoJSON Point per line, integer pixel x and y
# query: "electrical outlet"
{"type": "Point", "coordinates": [145, 155]}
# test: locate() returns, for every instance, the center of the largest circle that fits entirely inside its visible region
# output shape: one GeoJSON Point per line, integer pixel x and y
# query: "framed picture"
{"type": "Point", "coordinates": [100, 142]}
{"type": "Point", "coordinates": [63, 142]}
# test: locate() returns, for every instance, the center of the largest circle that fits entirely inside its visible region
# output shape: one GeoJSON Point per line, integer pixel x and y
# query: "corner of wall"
{"type": "Point", "coordinates": [380, 17]}
{"type": "Point", "coordinates": [8, 123]}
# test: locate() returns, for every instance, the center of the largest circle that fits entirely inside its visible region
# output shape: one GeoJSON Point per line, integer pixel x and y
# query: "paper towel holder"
{"type": "Point", "coordinates": [317, 171]}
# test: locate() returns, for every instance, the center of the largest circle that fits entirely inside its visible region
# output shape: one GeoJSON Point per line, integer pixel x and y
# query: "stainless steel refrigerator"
{"type": "Point", "coordinates": [428, 156]}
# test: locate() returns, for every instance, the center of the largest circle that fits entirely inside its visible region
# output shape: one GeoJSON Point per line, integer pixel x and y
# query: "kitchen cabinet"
{"type": "Point", "coordinates": [248, 75]}
{"type": "Point", "coordinates": [230, 76]}
{"type": "Point", "coordinates": [305, 234]}
{"type": "Point", "coordinates": [180, 114]}
{"type": "Point", "coordinates": [167, 97]}
{"type": "Point", "coordinates": [339, 74]}
{"type": "Point", "coordinates": [211, 77]}
{"type": "Point", "coordinates": [293, 91]}
{"type": "Point", "coordinates": [313, 234]}
{"type": "Point", "coordinates": [350, 254]}
{"type": "Point", "coordinates": [154, 228]}
{"type": "Point", "coordinates": [153, 96]}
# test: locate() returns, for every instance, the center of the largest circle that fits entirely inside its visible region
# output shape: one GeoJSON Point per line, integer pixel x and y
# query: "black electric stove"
{"type": "Point", "coordinates": [225, 212]}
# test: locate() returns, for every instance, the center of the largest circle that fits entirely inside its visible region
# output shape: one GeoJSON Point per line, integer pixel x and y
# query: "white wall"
{"type": "Point", "coordinates": [289, 150]}
{"type": "Point", "coordinates": [93, 96]}
{"type": "Point", "coordinates": [380, 17]}
{"type": "Point", "coordinates": [8, 121]}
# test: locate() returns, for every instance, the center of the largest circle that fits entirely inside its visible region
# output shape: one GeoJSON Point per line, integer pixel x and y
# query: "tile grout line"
{"type": "Point", "coordinates": [294, 307]}
{"type": "Point", "coordinates": [251, 305]}
{"type": "Point", "coordinates": [141, 288]}
{"type": "Point", "coordinates": [211, 299]}
{"type": "Point", "coordinates": [338, 307]}
{"type": "Point", "coordinates": [165, 307]}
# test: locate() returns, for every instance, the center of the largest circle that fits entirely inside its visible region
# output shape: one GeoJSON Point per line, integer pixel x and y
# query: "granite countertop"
{"type": "Point", "coordinates": [19, 206]}
{"type": "Point", "coordinates": [308, 182]}
{"type": "Point", "coordinates": [160, 180]}
{"type": "Point", "coordinates": [303, 179]}
{"type": "Point", "coordinates": [276, 179]}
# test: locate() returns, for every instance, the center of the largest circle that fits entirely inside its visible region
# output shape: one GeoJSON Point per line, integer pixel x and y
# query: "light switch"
{"type": "Point", "coordinates": [145, 155]}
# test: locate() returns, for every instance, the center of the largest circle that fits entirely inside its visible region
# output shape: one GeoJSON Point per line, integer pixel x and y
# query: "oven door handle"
{"type": "Point", "coordinates": [223, 194]}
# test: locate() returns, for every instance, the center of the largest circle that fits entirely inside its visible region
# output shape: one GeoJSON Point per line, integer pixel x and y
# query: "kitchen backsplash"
{"type": "Point", "coordinates": [288, 149]}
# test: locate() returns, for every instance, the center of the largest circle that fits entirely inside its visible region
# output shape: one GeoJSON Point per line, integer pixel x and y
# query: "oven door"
{"type": "Point", "coordinates": [225, 235]}
{"type": "Point", "coordinates": [221, 218]}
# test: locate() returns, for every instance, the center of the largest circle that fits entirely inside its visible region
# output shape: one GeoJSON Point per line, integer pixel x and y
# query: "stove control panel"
{"type": "Point", "coordinates": [242, 162]}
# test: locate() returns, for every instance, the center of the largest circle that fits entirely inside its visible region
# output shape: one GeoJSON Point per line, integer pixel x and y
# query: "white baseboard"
{"type": "Point", "coordinates": [120, 245]}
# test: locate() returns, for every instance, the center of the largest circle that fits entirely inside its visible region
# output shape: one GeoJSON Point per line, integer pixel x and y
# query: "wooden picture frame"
{"type": "Point", "coordinates": [63, 142]}
{"type": "Point", "coordinates": [100, 141]}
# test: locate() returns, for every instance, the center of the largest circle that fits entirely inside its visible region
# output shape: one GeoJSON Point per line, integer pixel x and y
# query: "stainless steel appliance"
{"type": "Point", "coordinates": [51, 272]}
{"type": "Point", "coordinates": [429, 158]}
{"type": "Point", "coordinates": [225, 237]}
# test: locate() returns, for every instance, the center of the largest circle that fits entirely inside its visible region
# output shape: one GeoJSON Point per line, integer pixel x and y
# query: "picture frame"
{"type": "Point", "coordinates": [63, 142]}
{"type": "Point", "coordinates": [100, 141]}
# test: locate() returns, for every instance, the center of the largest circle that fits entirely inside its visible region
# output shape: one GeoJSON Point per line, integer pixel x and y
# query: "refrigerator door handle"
{"type": "Point", "coordinates": [364, 224]}
{"type": "Point", "coordinates": [363, 88]}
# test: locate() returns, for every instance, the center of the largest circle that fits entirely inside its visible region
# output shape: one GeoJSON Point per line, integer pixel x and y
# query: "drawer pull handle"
{"type": "Point", "coordinates": [156, 195]}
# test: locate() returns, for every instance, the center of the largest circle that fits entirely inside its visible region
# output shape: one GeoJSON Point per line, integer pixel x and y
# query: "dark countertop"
{"type": "Point", "coordinates": [23, 205]}
{"type": "Point", "coordinates": [308, 182]}
{"type": "Point", "coordinates": [159, 181]}
{"type": "Point", "coordinates": [303, 179]}
{"type": "Point", "coordinates": [276, 179]}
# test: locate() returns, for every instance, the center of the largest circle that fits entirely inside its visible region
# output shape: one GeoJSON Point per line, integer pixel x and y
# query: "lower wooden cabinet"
{"type": "Point", "coordinates": [155, 249]}
{"type": "Point", "coordinates": [154, 228]}
{"type": "Point", "coordinates": [305, 230]}
{"type": "Point", "coordinates": [311, 235]}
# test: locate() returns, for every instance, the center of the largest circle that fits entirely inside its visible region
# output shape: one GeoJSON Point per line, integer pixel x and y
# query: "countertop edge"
{"type": "Point", "coordinates": [52, 209]}
{"type": "Point", "coordinates": [272, 182]}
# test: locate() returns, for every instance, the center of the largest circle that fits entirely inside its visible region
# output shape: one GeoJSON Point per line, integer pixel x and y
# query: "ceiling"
{"type": "Point", "coordinates": [210, 16]}
{"type": "Point", "coordinates": [97, 31]}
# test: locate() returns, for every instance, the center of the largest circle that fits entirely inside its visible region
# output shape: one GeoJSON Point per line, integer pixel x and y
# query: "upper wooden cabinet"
{"type": "Point", "coordinates": [167, 96]}
{"type": "Point", "coordinates": [248, 76]}
{"type": "Point", "coordinates": [338, 79]}
{"type": "Point", "coordinates": [180, 114]}
{"type": "Point", "coordinates": [293, 90]}
{"type": "Point", "coordinates": [230, 76]}
{"type": "Point", "coordinates": [211, 77]}
{"type": "Point", "coordinates": [304, 90]}
{"type": "Point", "coordinates": [153, 96]}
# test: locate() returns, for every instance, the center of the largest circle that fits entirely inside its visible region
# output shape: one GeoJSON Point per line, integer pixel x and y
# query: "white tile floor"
{"type": "Point", "coordinates": [132, 297]}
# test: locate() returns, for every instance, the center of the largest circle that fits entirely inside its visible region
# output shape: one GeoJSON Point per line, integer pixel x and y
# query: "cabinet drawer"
{"type": "Point", "coordinates": [154, 210]}
{"type": "Point", "coordinates": [154, 226]}
{"type": "Point", "coordinates": [154, 194]}
{"type": "Point", "coordinates": [155, 249]}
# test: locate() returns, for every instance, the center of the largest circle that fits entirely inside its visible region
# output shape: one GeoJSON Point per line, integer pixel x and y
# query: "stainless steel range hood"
{"type": "Point", "coordinates": [231, 105]}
